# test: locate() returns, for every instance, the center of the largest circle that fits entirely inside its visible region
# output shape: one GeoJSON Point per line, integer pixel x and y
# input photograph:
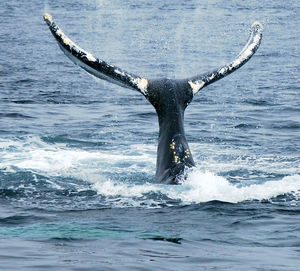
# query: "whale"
{"type": "Point", "coordinates": [169, 97]}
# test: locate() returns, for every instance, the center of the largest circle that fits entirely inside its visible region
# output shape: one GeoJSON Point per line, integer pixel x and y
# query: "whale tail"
{"type": "Point", "coordinates": [169, 97]}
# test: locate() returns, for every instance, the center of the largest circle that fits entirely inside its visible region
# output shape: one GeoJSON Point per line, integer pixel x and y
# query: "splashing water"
{"type": "Point", "coordinates": [95, 169]}
{"type": "Point", "coordinates": [203, 187]}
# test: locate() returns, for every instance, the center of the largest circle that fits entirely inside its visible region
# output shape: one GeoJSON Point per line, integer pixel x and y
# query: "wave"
{"type": "Point", "coordinates": [15, 116]}
{"type": "Point", "coordinates": [124, 177]}
{"type": "Point", "coordinates": [202, 187]}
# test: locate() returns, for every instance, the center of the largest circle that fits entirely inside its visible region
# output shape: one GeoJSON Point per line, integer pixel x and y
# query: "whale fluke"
{"type": "Point", "coordinates": [93, 65]}
{"type": "Point", "coordinates": [200, 81]}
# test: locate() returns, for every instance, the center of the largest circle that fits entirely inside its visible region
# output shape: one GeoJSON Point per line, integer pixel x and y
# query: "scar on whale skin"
{"type": "Point", "coordinates": [169, 97]}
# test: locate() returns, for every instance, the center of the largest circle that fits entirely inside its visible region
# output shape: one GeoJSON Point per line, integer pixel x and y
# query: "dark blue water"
{"type": "Point", "coordinates": [77, 155]}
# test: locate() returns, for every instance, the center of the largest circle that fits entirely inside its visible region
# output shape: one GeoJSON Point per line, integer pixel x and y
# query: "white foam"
{"type": "Point", "coordinates": [56, 159]}
{"type": "Point", "coordinates": [204, 187]}
{"type": "Point", "coordinates": [35, 155]}
{"type": "Point", "coordinates": [111, 188]}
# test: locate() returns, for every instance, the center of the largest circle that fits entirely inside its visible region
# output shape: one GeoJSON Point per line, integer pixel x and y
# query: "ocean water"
{"type": "Point", "coordinates": [77, 155]}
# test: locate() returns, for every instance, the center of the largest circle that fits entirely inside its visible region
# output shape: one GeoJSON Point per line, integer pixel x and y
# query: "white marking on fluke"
{"type": "Point", "coordinates": [66, 40]}
{"type": "Point", "coordinates": [48, 18]}
{"type": "Point", "coordinates": [142, 84]}
{"type": "Point", "coordinates": [196, 85]}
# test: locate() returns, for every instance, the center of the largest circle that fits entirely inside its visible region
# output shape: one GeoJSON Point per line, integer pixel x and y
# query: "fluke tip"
{"type": "Point", "coordinates": [257, 25]}
{"type": "Point", "coordinates": [47, 18]}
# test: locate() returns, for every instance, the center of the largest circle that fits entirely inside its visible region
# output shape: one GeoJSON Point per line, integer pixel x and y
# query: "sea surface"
{"type": "Point", "coordinates": [78, 155]}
